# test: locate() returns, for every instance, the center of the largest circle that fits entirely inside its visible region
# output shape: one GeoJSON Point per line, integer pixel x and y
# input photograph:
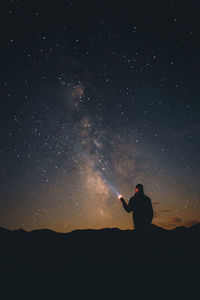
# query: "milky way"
{"type": "Point", "coordinates": [96, 98]}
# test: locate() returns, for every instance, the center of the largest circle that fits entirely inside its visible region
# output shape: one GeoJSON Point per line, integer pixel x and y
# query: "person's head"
{"type": "Point", "coordinates": [139, 189]}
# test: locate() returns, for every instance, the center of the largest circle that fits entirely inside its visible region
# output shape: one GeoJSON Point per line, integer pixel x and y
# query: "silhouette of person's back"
{"type": "Point", "coordinates": [141, 207]}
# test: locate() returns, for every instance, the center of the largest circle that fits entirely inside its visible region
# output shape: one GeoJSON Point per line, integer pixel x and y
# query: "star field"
{"type": "Point", "coordinates": [94, 94]}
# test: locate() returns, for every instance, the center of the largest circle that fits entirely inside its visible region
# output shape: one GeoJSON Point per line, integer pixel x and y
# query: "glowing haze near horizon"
{"type": "Point", "coordinates": [94, 102]}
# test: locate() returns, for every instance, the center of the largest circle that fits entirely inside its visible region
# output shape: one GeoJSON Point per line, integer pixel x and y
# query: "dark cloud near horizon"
{"type": "Point", "coordinates": [175, 219]}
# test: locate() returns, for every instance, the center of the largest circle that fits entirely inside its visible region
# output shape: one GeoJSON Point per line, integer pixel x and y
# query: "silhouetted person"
{"type": "Point", "coordinates": [141, 207]}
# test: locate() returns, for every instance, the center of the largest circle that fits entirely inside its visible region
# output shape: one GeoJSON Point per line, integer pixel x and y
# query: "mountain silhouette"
{"type": "Point", "coordinates": [49, 249]}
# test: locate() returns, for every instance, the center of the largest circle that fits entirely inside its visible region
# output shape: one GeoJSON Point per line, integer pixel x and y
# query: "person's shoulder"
{"type": "Point", "coordinates": [132, 198]}
{"type": "Point", "coordinates": [148, 198]}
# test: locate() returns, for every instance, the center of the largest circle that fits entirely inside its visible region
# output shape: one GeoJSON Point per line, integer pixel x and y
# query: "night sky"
{"type": "Point", "coordinates": [96, 94]}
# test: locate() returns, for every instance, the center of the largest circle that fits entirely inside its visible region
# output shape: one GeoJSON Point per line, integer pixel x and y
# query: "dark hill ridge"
{"type": "Point", "coordinates": [113, 229]}
{"type": "Point", "coordinates": [48, 249]}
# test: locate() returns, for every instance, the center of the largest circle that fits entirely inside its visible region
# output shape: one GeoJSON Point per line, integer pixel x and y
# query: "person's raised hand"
{"type": "Point", "coordinates": [120, 198]}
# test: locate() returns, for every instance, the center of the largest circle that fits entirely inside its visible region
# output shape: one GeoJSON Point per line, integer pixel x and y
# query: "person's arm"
{"type": "Point", "coordinates": [126, 207]}
{"type": "Point", "coordinates": [150, 210]}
